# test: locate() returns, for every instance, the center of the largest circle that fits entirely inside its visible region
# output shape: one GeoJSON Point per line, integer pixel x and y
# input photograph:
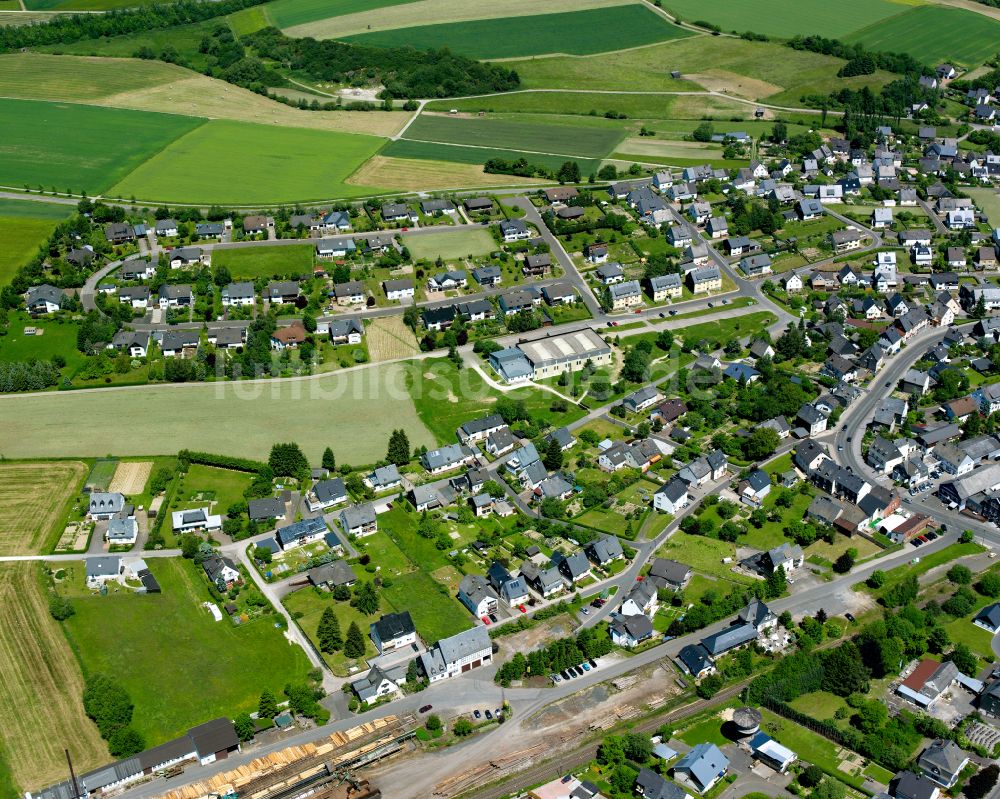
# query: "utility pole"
{"type": "Point", "coordinates": [72, 776]}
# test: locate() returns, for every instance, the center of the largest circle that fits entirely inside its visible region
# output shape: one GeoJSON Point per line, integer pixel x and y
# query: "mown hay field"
{"type": "Point", "coordinates": [237, 163]}
{"type": "Point", "coordinates": [33, 498]}
{"type": "Point", "coordinates": [449, 246]}
{"type": "Point", "coordinates": [248, 263]}
{"type": "Point", "coordinates": [37, 76]}
{"type": "Point", "coordinates": [41, 704]}
{"type": "Point", "coordinates": [37, 150]}
{"type": "Point", "coordinates": [411, 174]}
{"type": "Point", "coordinates": [24, 227]}
{"type": "Point", "coordinates": [597, 30]}
{"type": "Point", "coordinates": [389, 338]}
{"type": "Point", "coordinates": [131, 477]}
{"type": "Point", "coordinates": [352, 412]}
{"type": "Point", "coordinates": [435, 151]}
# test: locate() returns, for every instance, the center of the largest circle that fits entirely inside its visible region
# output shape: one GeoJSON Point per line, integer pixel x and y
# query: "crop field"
{"type": "Point", "coordinates": [412, 174]}
{"type": "Point", "coordinates": [81, 5]}
{"type": "Point", "coordinates": [24, 226]}
{"type": "Point", "coordinates": [238, 163]}
{"type": "Point", "coordinates": [357, 411]}
{"type": "Point", "coordinates": [539, 135]}
{"type": "Point", "coordinates": [670, 149]}
{"type": "Point", "coordinates": [229, 665]}
{"type": "Point", "coordinates": [248, 263]}
{"type": "Point", "coordinates": [42, 687]}
{"type": "Point", "coordinates": [372, 17]}
{"type": "Point", "coordinates": [130, 477]}
{"type": "Point", "coordinates": [449, 246]}
{"type": "Point", "coordinates": [389, 338]}
{"type": "Point", "coordinates": [434, 151]}
{"type": "Point", "coordinates": [646, 106]}
{"type": "Point", "coordinates": [586, 32]}
{"type": "Point", "coordinates": [787, 18]}
{"type": "Point", "coordinates": [795, 72]}
{"type": "Point", "coordinates": [36, 150]}
{"type": "Point", "coordinates": [33, 498]}
{"type": "Point", "coordinates": [143, 85]}
{"type": "Point", "coordinates": [932, 33]}
{"type": "Point", "coordinates": [287, 13]}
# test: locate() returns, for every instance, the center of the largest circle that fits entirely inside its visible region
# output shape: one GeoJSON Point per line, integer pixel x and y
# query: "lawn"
{"type": "Point", "coordinates": [448, 245]}
{"type": "Point", "coordinates": [931, 33]}
{"type": "Point", "coordinates": [922, 564]}
{"type": "Point", "coordinates": [808, 745]}
{"type": "Point", "coordinates": [41, 689]}
{"type": "Point", "coordinates": [34, 499]}
{"type": "Point", "coordinates": [286, 13]}
{"type": "Point", "coordinates": [988, 201]}
{"type": "Point", "coordinates": [446, 397]}
{"type": "Point", "coordinates": [541, 135]}
{"type": "Point", "coordinates": [352, 412]}
{"type": "Point", "coordinates": [436, 614]}
{"type": "Point", "coordinates": [23, 233]}
{"type": "Point", "coordinates": [819, 704]}
{"type": "Point", "coordinates": [58, 338]}
{"type": "Point", "coordinates": [597, 30]}
{"type": "Point", "coordinates": [210, 668]}
{"type": "Point", "coordinates": [786, 18]}
{"type": "Point", "coordinates": [702, 554]}
{"type": "Point", "coordinates": [709, 730]}
{"type": "Point", "coordinates": [384, 552]}
{"type": "Point", "coordinates": [435, 151]}
{"type": "Point", "coordinates": [36, 151]}
{"type": "Point", "coordinates": [241, 163]}
{"type": "Point", "coordinates": [310, 604]}
{"type": "Point", "coordinates": [209, 484]}
{"type": "Point", "coordinates": [248, 263]}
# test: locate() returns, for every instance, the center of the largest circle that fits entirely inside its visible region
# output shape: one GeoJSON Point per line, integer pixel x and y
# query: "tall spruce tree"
{"type": "Point", "coordinates": [328, 632]}
{"type": "Point", "coordinates": [354, 647]}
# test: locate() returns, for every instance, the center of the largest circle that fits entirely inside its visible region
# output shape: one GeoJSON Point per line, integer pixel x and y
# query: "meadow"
{"type": "Point", "coordinates": [307, 606]}
{"type": "Point", "coordinates": [41, 689]}
{"type": "Point", "coordinates": [24, 226]}
{"type": "Point", "coordinates": [418, 174]}
{"type": "Point", "coordinates": [435, 151]}
{"type": "Point", "coordinates": [237, 163]}
{"type": "Point", "coordinates": [435, 614]}
{"type": "Point", "coordinates": [33, 501]}
{"type": "Point", "coordinates": [786, 18]}
{"type": "Point", "coordinates": [40, 76]}
{"type": "Point", "coordinates": [354, 413]}
{"type": "Point", "coordinates": [248, 263]}
{"type": "Point", "coordinates": [933, 34]}
{"type": "Point", "coordinates": [598, 30]}
{"type": "Point", "coordinates": [647, 106]}
{"type": "Point", "coordinates": [449, 246]}
{"type": "Point", "coordinates": [224, 487]}
{"type": "Point", "coordinates": [229, 665]}
{"type": "Point", "coordinates": [36, 150]}
{"type": "Point", "coordinates": [538, 135]}
{"type": "Point", "coordinates": [987, 200]}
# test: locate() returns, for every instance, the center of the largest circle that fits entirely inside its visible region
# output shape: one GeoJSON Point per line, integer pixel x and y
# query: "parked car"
{"type": "Point", "coordinates": [849, 617]}
{"type": "Point", "coordinates": [586, 666]}
{"type": "Point", "coordinates": [522, 608]}
{"type": "Point", "coordinates": [477, 714]}
{"type": "Point", "coordinates": [585, 611]}
{"type": "Point", "coordinates": [593, 663]}
{"type": "Point", "coordinates": [486, 620]}
{"type": "Point", "coordinates": [493, 617]}
{"type": "Point", "coordinates": [565, 674]}
{"type": "Point", "coordinates": [426, 708]}
{"type": "Point", "coordinates": [489, 716]}
{"type": "Point", "coordinates": [555, 678]}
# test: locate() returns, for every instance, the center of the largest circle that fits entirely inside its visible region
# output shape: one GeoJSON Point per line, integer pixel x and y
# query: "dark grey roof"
{"type": "Point", "coordinates": [394, 625]}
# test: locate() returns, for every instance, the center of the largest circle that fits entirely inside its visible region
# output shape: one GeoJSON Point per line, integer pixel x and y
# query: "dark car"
{"type": "Point", "coordinates": [566, 675]}
{"type": "Point", "coordinates": [425, 708]}
{"type": "Point", "coordinates": [593, 663]}
{"type": "Point", "coordinates": [849, 617]}
{"type": "Point", "coordinates": [493, 618]}
{"type": "Point", "coordinates": [489, 715]}
{"type": "Point", "coordinates": [477, 714]}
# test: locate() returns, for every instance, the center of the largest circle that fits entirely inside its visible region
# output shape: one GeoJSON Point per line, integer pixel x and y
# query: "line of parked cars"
{"type": "Point", "coordinates": [926, 538]}
{"type": "Point", "coordinates": [490, 714]}
{"type": "Point", "coordinates": [574, 671]}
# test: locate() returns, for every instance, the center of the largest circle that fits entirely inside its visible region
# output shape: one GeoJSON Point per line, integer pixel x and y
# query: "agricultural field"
{"type": "Point", "coordinates": [389, 338]}
{"type": "Point", "coordinates": [130, 477]}
{"type": "Point", "coordinates": [248, 263]}
{"type": "Point", "coordinates": [36, 153]}
{"type": "Point", "coordinates": [142, 85]}
{"type": "Point", "coordinates": [363, 407]}
{"type": "Point", "coordinates": [42, 687]}
{"type": "Point", "coordinates": [448, 245]}
{"type": "Point", "coordinates": [433, 151]}
{"type": "Point", "coordinates": [704, 62]}
{"type": "Point", "coordinates": [598, 30]}
{"type": "Point", "coordinates": [987, 200]}
{"type": "Point", "coordinates": [33, 501]}
{"type": "Point", "coordinates": [230, 665]}
{"type": "Point", "coordinates": [933, 33]}
{"type": "Point", "coordinates": [787, 18]}
{"type": "Point", "coordinates": [288, 13]}
{"type": "Point", "coordinates": [531, 134]}
{"type": "Point", "coordinates": [646, 106]}
{"type": "Point", "coordinates": [412, 174]}
{"type": "Point", "coordinates": [427, 12]}
{"type": "Point", "coordinates": [81, 5]}
{"type": "Point", "coordinates": [237, 163]}
{"type": "Point", "coordinates": [24, 226]}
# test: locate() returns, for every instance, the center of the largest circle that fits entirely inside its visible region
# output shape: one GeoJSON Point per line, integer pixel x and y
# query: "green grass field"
{"type": "Point", "coordinates": [786, 18]}
{"type": "Point", "coordinates": [36, 149]}
{"type": "Point", "coordinates": [541, 136]}
{"type": "Point", "coordinates": [311, 604]}
{"type": "Point", "coordinates": [253, 262]}
{"type": "Point", "coordinates": [39, 76]}
{"type": "Point", "coordinates": [241, 163]}
{"type": "Point", "coordinates": [448, 245]}
{"type": "Point", "coordinates": [58, 338]}
{"type": "Point", "coordinates": [586, 32]}
{"type": "Point", "coordinates": [204, 483]}
{"type": "Point", "coordinates": [286, 13]}
{"type": "Point", "coordinates": [987, 200]}
{"type": "Point", "coordinates": [432, 151]}
{"type": "Point", "coordinates": [82, 5]}
{"type": "Point", "coordinates": [932, 34]}
{"type": "Point", "coordinates": [646, 106]}
{"type": "Point", "coordinates": [210, 669]}
{"type": "Point", "coordinates": [24, 226]}
{"type": "Point", "coordinates": [435, 614]}
{"type": "Point", "coordinates": [352, 412]}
